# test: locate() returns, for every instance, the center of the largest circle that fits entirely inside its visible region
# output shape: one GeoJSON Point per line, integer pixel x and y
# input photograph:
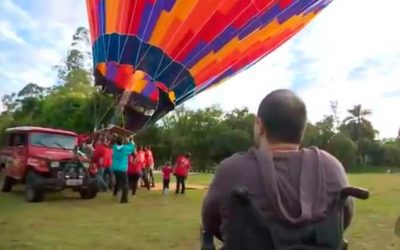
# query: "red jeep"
{"type": "Point", "coordinates": [45, 160]}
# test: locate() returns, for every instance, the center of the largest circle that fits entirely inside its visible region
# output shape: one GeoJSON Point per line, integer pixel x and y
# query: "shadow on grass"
{"type": "Point", "coordinates": [19, 192]}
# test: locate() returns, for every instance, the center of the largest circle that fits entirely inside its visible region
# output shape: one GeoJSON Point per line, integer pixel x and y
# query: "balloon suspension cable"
{"type": "Point", "coordinates": [124, 98]}
{"type": "Point", "coordinates": [95, 113]}
{"type": "Point", "coordinates": [98, 122]}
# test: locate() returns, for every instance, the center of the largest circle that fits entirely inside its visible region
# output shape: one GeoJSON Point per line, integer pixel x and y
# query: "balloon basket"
{"type": "Point", "coordinates": [114, 130]}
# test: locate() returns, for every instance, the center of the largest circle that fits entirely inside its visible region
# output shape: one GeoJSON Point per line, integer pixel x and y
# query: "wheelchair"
{"type": "Point", "coordinates": [326, 234]}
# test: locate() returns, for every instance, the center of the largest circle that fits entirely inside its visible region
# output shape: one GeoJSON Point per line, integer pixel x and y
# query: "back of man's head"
{"type": "Point", "coordinates": [284, 116]}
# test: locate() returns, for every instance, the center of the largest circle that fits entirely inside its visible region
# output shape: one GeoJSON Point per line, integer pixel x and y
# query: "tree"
{"type": "Point", "coordinates": [9, 103]}
{"type": "Point", "coordinates": [391, 155]}
{"type": "Point", "coordinates": [311, 136]}
{"type": "Point", "coordinates": [74, 74]}
{"type": "Point", "coordinates": [335, 115]}
{"type": "Point", "coordinates": [373, 151]}
{"type": "Point", "coordinates": [32, 90]}
{"type": "Point", "coordinates": [240, 119]}
{"type": "Point", "coordinates": [29, 103]}
{"type": "Point", "coordinates": [6, 120]}
{"type": "Point", "coordinates": [209, 134]}
{"type": "Point", "coordinates": [319, 134]}
{"type": "Point", "coordinates": [398, 135]}
{"type": "Point", "coordinates": [343, 148]}
{"type": "Point", "coordinates": [227, 142]}
{"type": "Point", "coordinates": [356, 124]}
{"type": "Point", "coordinates": [325, 130]}
{"type": "Point", "coordinates": [202, 123]}
{"type": "Point", "coordinates": [71, 105]}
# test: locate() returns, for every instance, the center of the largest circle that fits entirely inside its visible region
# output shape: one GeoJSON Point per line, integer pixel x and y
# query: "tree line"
{"type": "Point", "coordinates": [210, 134]}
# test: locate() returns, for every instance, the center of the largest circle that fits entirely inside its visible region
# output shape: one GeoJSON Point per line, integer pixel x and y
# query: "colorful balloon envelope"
{"type": "Point", "coordinates": [160, 53]}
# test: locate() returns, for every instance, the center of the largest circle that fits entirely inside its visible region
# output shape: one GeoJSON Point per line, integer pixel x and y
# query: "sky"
{"type": "Point", "coordinates": [350, 53]}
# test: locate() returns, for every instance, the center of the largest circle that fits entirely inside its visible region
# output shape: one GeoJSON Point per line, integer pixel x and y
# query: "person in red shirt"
{"type": "Point", "coordinates": [107, 163]}
{"type": "Point", "coordinates": [149, 165]}
{"type": "Point", "coordinates": [142, 163]}
{"type": "Point", "coordinates": [166, 171]}
{"type": "Point", "coordinates": [134, 172]}
{"type": "Point", "coordinates": [182, 168]}
{"type": "Point", "coordinates": [98, 159]}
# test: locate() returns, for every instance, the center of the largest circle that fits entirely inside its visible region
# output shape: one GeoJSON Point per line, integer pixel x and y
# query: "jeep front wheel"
{"type": "Point", "coordinates": [7, 184]}
{"type": "Point", "coordinates": [32, 192]}
{"type": "Point", "coordinates": [88, 194]}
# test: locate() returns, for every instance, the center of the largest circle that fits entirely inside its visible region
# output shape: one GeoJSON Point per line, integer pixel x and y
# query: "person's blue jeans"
{"type": "Point", "coordinates": [108, 177]}
{"type": "Point", "coordinates": [100, 179]}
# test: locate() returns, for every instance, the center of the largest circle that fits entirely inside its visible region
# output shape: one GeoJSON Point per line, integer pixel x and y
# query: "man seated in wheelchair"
{"type": "Point", "coordinates": [293, 193]}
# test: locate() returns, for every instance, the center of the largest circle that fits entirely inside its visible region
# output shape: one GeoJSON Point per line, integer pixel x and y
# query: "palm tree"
{"type": "Point", "coordinates": [357, 118]}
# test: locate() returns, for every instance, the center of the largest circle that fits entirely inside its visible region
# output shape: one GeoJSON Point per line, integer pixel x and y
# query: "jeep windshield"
{"type": "Point", "coordinates": [49, 140]}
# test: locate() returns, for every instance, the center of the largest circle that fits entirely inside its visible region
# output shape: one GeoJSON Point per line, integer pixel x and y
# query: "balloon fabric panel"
{"type": "Point", "coordinates": [187, 46]}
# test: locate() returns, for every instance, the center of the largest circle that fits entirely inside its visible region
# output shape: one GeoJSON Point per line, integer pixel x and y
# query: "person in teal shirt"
{"type": "Point", "coordinates": [121, 152]}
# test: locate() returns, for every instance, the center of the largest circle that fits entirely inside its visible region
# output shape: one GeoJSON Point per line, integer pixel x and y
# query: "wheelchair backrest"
{"type": "Point", "coordinates": [249, 230]}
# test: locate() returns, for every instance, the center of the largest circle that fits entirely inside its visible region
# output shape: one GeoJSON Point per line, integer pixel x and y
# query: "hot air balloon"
{"type": "Point", "coordinates": [155, 54]}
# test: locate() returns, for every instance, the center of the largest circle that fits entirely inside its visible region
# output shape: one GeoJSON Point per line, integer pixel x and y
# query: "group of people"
{"type": "Point", "coordinates": [287, 183]}
{"type": "Point", "coordinates": [123, 166]}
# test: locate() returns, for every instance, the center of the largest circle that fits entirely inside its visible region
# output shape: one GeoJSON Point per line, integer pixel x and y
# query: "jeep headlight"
{"type": "Point", "coordinates": [86, 165]}
{"type": "Point", "coordinates": [54, 164]}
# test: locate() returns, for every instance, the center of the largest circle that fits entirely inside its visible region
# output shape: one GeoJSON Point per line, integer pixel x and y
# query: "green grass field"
{"type": "Point", "coordinates": [151, 221]}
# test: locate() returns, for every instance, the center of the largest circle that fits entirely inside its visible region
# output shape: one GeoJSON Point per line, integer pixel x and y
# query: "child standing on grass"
{"type": "Point", "coordinates": [166, 170]}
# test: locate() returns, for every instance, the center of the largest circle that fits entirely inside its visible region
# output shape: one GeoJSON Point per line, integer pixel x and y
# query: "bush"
{"type": "Point", "coordinates": [373, 152]}
{"type": "Point", "coordinates": [391, 154]}
{"type": "Point", "coordinates": [343, 148]}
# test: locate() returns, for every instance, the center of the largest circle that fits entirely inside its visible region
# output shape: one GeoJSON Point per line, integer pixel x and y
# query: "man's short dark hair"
{"type": "Point", "coordinates": [119, 140]}
{"type": "Point", "coordinates": [284, 116]}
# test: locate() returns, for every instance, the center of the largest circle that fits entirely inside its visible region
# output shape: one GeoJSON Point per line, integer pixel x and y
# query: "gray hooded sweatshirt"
{"type": "Point", "coordinates": [294, 187]}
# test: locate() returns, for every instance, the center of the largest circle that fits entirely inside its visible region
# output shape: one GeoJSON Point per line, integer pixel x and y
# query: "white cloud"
{"type": "Point", "coordinates": [37, 35]}
{"type": "Point", "coordinates": [360, 37]}
{"type": "Point", "coordinates": [47, 56]}
{"type": "Point", "coordinates": [10, 10]}
{"type": "Point", "coordinates": [7, 33]}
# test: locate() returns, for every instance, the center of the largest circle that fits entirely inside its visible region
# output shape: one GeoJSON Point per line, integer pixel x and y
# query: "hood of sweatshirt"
{"type": "Point", "coordinates": [310, 187]}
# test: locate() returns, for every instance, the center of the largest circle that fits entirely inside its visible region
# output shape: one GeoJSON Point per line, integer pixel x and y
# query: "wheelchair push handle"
{"type": "Point", "coordinates": [356, 192]}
